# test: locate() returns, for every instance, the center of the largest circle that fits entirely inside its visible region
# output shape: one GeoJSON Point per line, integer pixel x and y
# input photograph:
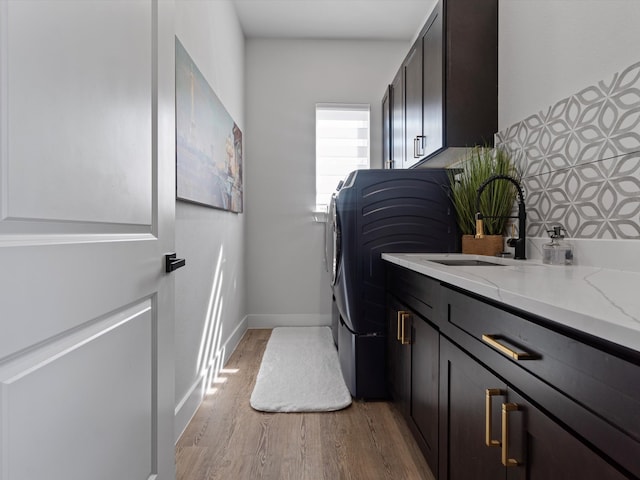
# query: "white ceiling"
{"type": "Point", "coordinates": [333, 19]}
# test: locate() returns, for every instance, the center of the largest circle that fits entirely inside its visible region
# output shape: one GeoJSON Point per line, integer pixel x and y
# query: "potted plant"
{"type": "Point", "coordinates": [496, 202]}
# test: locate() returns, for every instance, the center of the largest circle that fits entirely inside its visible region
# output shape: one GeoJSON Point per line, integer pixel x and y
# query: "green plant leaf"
{"type": "Point", "coordinates": [497, 199]}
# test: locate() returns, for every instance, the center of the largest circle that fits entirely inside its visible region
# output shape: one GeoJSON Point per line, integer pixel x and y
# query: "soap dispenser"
{"type": "Point", "coordinates": [557, 252]}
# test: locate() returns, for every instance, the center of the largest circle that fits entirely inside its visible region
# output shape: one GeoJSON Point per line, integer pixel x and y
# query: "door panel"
{"type": "Point", "coordinates": [432, 74]}
{"type": "Point", "coordinates": [425, 352]}
{"type": "Point", "coordinates": [387, 141]}
{"type": "Point", "coordinates": [60, 124]}
{"type": "Point", "coordinates": [397, 121]}
{"type": "Point", "coordinates": [463, 385]}
{"type": "Point", "coordinates": [413, 107]}
{"type": "Point", "coordinates": [94, 400]}
{"type": "Point", "coordinates": [87, 200]}
{"type": "Point", "coordinates": [399, 355]}
{"type": "Point", "coordinates": [545, 450]}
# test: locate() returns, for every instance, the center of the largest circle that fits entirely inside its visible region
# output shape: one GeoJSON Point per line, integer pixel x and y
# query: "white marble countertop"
{"type": "Point", "coordinates": [598, 301]}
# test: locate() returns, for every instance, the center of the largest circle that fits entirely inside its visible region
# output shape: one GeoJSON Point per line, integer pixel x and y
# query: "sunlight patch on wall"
{"type": "Point", "coordinates": [210, 356]}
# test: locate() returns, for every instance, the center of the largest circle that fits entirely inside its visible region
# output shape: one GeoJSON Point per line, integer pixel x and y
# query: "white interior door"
{"type": "Point", "coordinates": [86, 215]}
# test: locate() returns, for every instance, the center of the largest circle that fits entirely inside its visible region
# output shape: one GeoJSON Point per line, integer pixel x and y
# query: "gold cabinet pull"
{"type": "Point", "coordinates": [402, 315]}
{"type": "Point", "coordinates": [491, 392]}
{"type": "Point", "coordinates": [399, 315]}
{"type": "Point", "coordinates": [493, 341]}
{"type": "Point", "coordinates": [405, 340]}
{"type": "Point", "coordinates": [506, 408]}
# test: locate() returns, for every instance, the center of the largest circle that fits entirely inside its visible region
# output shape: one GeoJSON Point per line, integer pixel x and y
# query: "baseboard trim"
{"type": "Point", "coordinates": [187, 406]}
{"type": "Point", "coordinates": [288, 320]}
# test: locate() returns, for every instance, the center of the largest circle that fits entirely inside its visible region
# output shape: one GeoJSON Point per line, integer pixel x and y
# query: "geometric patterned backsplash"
{"type": "Point", "coordinates": [580, 161]}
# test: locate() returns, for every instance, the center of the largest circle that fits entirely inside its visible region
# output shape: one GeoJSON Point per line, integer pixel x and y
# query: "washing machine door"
{"type": "Point", "coordinates": [336, 238]}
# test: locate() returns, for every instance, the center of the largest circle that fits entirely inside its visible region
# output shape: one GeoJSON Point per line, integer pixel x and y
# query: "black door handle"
{"type": "Point", "coordinates": [172, 263]}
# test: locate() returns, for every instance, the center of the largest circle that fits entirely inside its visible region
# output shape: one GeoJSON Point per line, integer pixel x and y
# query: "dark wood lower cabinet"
{"type": "Point", "coordinates": [424, 386]}
{"type": "Point", "coordinates": [491, 392]}
{"type": "Point", "coordinates": [399, 356]}
{"type": "Point", "coordinates": [413, 346]}
{"type": "Point", "coordinates": [477, 408]}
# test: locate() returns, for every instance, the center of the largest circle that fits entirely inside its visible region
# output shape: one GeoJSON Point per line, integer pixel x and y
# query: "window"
{"type": "Point", "coordinates": [342, 145]}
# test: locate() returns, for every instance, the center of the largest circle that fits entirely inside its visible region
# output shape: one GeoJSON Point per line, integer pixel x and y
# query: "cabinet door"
{"type": "Point", "coordinates": [526, 444]}
{"type": "Point", "coordinates": [464, 420]}
{"type": "Point", "coordinates": [397, 121]}
{"type": "Point", "coordinates": [425, 355]}
{"type": "Point", "coordinates": [550, 452]}
{"type": "Point", "coordinates": [387, 161]}
{"type": "Point", "coordinates": [399, 355]}
{"type": "Point", "coordinates": [413, 106]}
{"type": "Point", "coordinates": [432, 74]}
{"type": "Point", "coordinates": [471, 109]}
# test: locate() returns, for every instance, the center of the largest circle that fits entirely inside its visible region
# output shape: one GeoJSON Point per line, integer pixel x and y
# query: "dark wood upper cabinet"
{"type": "Point", "coordinates": [387, 156]}
{"type": "Point", "coordinates": [432, 92]}
{"type": "Point", "coordinates": [397, 121]}
{"type": "Point", "coordinates": [471, 75]}
{"type": "Point", "coordinates": [449, 83]}
{"type": "Point", "coordinates": [413, 106]}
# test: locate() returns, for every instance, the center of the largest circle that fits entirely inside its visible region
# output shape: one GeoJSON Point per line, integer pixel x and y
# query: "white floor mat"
{"type": "Point", "coordinates": [300, 372]}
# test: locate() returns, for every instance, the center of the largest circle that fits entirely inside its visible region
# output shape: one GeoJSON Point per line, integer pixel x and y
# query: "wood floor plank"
{"type": "Point", "coordinates": [227, 439]}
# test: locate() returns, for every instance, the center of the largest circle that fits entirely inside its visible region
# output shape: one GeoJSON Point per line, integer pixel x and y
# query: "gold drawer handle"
{"type": "Point", "coordinates": [491, 392]}
{"type": "Point", "coordinates": [493, 341]}
{"type": "Point", "coordinates": [506, 408]}
{"type": "Point", "coordinates": [405, 340]}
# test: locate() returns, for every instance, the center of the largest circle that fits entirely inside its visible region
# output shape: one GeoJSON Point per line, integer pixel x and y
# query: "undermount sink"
{"type": "Point", "coordinates": [464, 262]}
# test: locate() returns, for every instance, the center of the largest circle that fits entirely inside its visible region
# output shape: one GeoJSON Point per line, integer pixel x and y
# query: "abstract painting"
{"type": "Point", "coordinates": [208, 142]}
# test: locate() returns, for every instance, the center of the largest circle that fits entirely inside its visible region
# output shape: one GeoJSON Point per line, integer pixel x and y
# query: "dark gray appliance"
{"type": "Point", "coordinates": [378, 211]}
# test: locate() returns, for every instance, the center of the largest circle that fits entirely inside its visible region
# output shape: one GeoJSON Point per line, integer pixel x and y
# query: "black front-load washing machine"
{"type": "Point", "coordinates": [375, 212]}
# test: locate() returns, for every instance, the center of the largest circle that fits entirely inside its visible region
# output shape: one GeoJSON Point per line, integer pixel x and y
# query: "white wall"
{"type": "Point", "coordinates": [210, 290]}
{"type": "Point", "coordinates": [551, 49]}
{"type": "Point", "coordinates": [287, 283]}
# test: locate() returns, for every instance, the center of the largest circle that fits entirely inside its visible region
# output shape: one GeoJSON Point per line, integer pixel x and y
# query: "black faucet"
{"type": "Point", "coordinates": [518, 243]}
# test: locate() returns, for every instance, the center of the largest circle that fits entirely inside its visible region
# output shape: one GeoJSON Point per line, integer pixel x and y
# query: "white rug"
{"type": "Point", "coordinates": [300, 372]}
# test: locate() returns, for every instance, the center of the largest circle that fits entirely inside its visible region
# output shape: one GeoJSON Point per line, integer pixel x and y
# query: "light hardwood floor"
{"type": "Point", "coordinates": [229, 440]}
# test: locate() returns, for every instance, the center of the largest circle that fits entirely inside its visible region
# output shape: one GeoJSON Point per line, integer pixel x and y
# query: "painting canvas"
{"type": "Point", "coordinates": [208, 142]}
